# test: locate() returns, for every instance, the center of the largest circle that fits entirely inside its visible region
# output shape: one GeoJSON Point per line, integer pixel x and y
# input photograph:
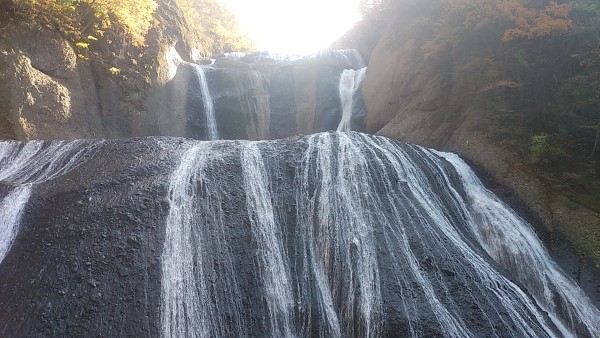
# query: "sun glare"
{"type": "Point", "coordinates": [295, 26]}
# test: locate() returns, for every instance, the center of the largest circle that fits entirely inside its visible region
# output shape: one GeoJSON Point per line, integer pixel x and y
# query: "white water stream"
{"type": "Point", "coordinates": [350, 82]}
{"type": "Point", "coordinates": [199, 288]}
{"type": "Point", "coordinates": [207, 102]}
{"type": "Point", "coordinates": [380, 230]}
{"type": "Point", "coordinates": [22, 165]}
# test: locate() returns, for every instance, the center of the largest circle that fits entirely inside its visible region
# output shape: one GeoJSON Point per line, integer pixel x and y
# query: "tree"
{"type": "Point", "coordinates": [81, 19]}
{"type": "Point", "coordinates": [215, 26]}
{"type": "Point", "coordinates": [526, 19]}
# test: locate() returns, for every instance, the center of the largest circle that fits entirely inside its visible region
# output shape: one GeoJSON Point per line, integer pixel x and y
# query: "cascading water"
{"type": "Point", "coordinates": [350, 57]}
{"type": "Point", "coordinates": [251, 99]}
{"type": "Point", "coordinates": [329, 235]}
{"type": "Point", "coordinates": [11, 208]}
{"type": "Point", "coordinates": [207, 102]}
{"type": "Point", "coordinates": [199, 288]}
{"type": "Point", "coordinates": [517, 248]}
{"type": "Point", "coordinates": [267, 234]}
{"type": "Point", "coordinates": [352, 235]}
{"type": "Point", "coordinates": [23, 165]}
{"type": "Point", "coordinates": [350, 82]}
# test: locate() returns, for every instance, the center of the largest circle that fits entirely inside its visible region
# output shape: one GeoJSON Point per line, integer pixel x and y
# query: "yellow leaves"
{"type": "Point", "coordinates": [78, 17]}
{"type": "Point", "coordinates": [86, 21]}
{"type": "Point", "coordinates": [114, 71]}
{"type": "Point", "coordinates": [215, 27]}
{"type": "Point", "coordinates": [46, 13]}
{"type": "Point", "coordinates": [135, 17]}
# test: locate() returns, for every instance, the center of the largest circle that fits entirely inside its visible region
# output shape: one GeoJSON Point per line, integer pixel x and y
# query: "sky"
{"type": "Point", "coordinates": [294, 26]}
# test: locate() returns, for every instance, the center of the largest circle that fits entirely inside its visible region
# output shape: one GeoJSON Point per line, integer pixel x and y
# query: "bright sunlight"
{"type": "Point", "coordinates": [292, 26]}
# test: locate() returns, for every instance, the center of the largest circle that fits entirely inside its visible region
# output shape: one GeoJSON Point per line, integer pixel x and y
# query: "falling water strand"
{"type": "Point", "coordinates": [350, 82]}
{"type": "Point", "coordinates": [514, 245]}
{"type": "Point", "coordinates": [11, 208]}
{"type": "Point", "coordinates": [374, 238]}
{"type": "Point", "coordinates": [207, 102]}
{"type": "Point", "coordinates": [268, 235]}
{"type": "Point", "coordinates": [196, 254]}
{"type": "Point", "coordinates": [341, 244]}
{"type": "Point", "coordinates": [24, 164]}
{"type": "Point", "coordinates": [425, 196]}
{"type": "Point", "coordinates": [395, 212]}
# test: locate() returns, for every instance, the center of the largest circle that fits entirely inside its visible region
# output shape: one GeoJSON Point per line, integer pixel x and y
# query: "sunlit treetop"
{"type": "Point", "coordinates": [86, 21]}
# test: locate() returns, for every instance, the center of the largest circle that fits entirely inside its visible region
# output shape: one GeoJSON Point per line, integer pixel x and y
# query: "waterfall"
{"type": "Point", "coordinates": [207, 103]}
{"type": "Point", "coordinates": [11, 208]}
{"type": "Point", "coordinates": [234, 55]}
{"type": "Point", "coordinates": [350, 57]}
{"type": "Point", "coordinates": [199, 288]}
{"type": "Point", "coordinates": [336, 234]}
{"type": "Point", "coordinates": [353, 235]}
{"type": "Point", "coordinates": [23, 165]}
{"type": "Point", "coordinates": [350, 82]}
{"type": "Point", "coordinates": [513, 244]}
{"type": "Point", "coordinates": [268, 236]}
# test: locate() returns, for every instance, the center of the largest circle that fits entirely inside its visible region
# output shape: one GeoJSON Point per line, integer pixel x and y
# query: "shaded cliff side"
{"type": "Point", "coordinates": [54, 89]}
{"type": "Point", "coordinates": [434, 82]}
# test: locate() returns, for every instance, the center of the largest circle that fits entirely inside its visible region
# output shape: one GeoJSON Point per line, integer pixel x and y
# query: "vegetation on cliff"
{"type": "Point", "coordinates": [90, 22]}
{"type": "Point", "coordinates": [530, 68]}
{"type": "Point", "coordinates": [116, 47]}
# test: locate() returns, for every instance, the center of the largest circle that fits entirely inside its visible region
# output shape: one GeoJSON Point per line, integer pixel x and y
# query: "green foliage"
{"type": "Point", "coordinates": [545, 154]}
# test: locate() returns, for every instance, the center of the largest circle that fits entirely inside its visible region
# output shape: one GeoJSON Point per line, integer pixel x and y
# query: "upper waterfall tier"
{"type": "Point", "coordinates": [262, 96]}
{"type": "Point", "coordinates": [350, 84]}
{"type": "Point", "coordinates": [347, 58]}
{"type": "Point", "coordinates": [329, 235]}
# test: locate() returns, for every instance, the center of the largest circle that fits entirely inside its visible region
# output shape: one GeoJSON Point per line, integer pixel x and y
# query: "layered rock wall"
{"type": "Point", "coordinates": [425, 91]}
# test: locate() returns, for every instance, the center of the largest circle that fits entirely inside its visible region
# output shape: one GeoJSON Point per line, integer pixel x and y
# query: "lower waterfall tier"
{"type": "Point", "coordinates": [328, 235]}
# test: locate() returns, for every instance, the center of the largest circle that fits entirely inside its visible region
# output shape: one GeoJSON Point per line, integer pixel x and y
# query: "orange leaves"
{"type": "Point", "coordinates": [522, 21]}
{"type": "Point", "coordinates": [530, 23]}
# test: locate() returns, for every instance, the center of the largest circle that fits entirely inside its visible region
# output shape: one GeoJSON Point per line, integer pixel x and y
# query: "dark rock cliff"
{"type": "Point", "coordinates": [48, 92]}
{"type": "Point", "coordinates": [421, 86]}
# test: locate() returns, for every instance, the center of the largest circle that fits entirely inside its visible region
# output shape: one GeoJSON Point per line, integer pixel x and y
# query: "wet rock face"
{"type": "Point", "coordinates": [86, 260]}
{"type": "Point", "coordinates": [328, 110]}
{"type": "Point", "coordinates": [283, 105]}
{"type": "Point", "coordinates": [241, 102]}
{"type": "Point", "coordinates": [260, 98]}
{"type": "Point", "coordinates": [44, 87]}
{"type": "Point", "coordinates": [335, 234]}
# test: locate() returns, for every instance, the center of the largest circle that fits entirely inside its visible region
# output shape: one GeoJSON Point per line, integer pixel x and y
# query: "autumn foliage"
{"type": "Point", "coordinates": [215, 27]}
{"type": "Point", "coordinates": [89, 19]}
{"type": "Point", "coordinates": [530, 23]}
{"type": "Point", "coordinates": [522, 20]}
{"type": "Point", "coordinates": [86, 21]}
